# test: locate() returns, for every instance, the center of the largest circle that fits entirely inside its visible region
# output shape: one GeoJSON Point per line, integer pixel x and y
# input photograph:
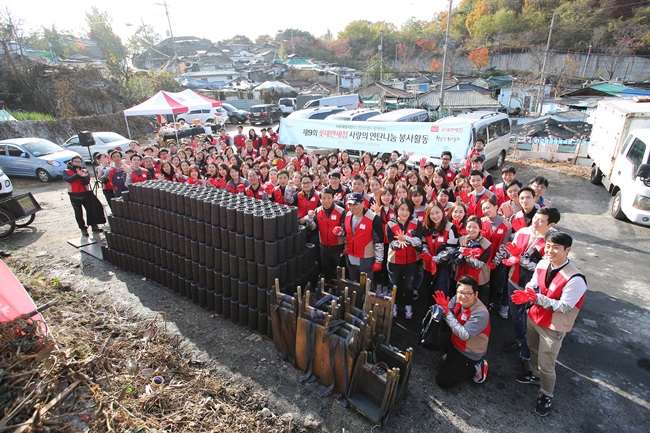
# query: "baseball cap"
{"type": "Point", "coordinates": [355, 198]}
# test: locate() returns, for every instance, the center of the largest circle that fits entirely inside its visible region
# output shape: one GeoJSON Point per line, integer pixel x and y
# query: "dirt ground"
{"type": "Point", "coordinates": [603, 369]}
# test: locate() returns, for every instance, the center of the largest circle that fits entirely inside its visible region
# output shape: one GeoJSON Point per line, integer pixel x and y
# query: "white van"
{"type": "Point", "coordinates": [287, 105]}
{"type": "Point", "coordinates": [214, 115]}
{"type": "Point", "coordinates": [403, 115]}
{"type": "Point", "coordinates": [349, 102]}
{"type": "Point", "coordinates": [491, 127]}
{"type": "Point", "coordinates": [359, 115]}
{"type": "Point", "coordinates": [318, 113]}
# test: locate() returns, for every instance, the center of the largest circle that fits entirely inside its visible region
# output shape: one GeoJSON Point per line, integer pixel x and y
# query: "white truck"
{"type": "Point", "coordinates": [620, 150]}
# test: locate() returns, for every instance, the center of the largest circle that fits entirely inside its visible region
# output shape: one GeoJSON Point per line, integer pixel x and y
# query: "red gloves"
{"type": "Point", "coordinates": [376, 267]}
{"type": "Point", "coordinates": [474, 252]}
{"type": "Point", "coordinates": [442, 300]}
{"type": "Point", "coordinates": [513, 249]}
{"type": "Point", "coordinates": [337, 230]}
{"type": "Point", "coordinates": [433, 267]}
{"type": "Point", "coordinates": [492, 265]}
{"type": "Point", "coordinates": [426, 257]}
{"type": "Point", "coordinates": [524, 296]}
{"type": "Point", "coordinates": [464, 197]}
{"type": "Point", "coordinates": [510, 261]}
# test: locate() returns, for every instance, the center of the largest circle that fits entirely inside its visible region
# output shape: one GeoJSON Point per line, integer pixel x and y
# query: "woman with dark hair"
{"type": "Point", "coordinates": [457, 214]}
{"type": "Point", "coordinates": [413, 179]}
{"type": "Point", "coordinates": [379, 169]}
{"type": "Point", "coordinates": [473, 255]}
{"type": "Point", "coordinates": [439, 183]}
{"type": "Point", "coordinates": [236, 184]}
{"type": "Point", "coordinates": [194, 177]}
{"type": "Point", "coordinates": [404, 235]}
{"type": "Point", "coordinates": [418, 197]}
{"type": "Point", "coordinates": [440, 236]}
{"type": "Point", "coordinates": [256, 139]}
{"type": "Point", "coordinates": [374, 189]}
{"type": "Point", "coordinates": [366, 160]}
{"type": "Point", "coordinates": [370, 171]}
{"type": "Point", "coordinates": [384, 209]}
{"type": "Point", "coordinates": [166, 171]}
{"type": "Point", "coordinates": [344, 157]}
{"type": "Point", "coordinates": [497, 230]}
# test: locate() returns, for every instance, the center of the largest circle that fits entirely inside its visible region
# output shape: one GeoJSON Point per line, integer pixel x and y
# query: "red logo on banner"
{"type": "Point", "coordinates": [434, 128]}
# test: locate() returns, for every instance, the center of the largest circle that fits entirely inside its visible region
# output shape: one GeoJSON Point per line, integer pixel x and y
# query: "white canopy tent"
{"type": "Point", "coordinates": [194, 96]}
{"type": "Point", "coordinates": [166, 103]}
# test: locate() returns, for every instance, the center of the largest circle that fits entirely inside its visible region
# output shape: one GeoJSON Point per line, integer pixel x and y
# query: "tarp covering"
{"type": "Point", "coordinates": [5, 116]}
{"type": "Point", "coordinates": [275, 86]}
{"type": "Point", "coordinates": [14, 300]}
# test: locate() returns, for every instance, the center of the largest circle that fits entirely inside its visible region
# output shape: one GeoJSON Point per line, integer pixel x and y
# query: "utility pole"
{"type": "Point", "coordinates": [540, 91]}
{"type": "Point", "coordinates": [381, 56]}
{"type": "Point", "coordinates": [584, 70]}
{"type": "Point", "coordinates": [444, 63]}
{"type": "Point", "coordinates": [169, 23]}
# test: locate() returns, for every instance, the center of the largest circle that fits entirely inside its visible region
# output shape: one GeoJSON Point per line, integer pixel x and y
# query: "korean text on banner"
{"type": "Point", "coordinates": [422, 138]}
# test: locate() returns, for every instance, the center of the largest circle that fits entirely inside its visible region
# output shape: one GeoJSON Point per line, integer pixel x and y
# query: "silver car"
{"type": "Point", "coordinates": [34, 156]}
{"type": "Point", "coordinates": [105, 142]}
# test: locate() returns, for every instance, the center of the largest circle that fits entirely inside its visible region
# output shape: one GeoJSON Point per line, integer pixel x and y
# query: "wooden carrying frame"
{"type": "Point", "coordinates": [283, 310]}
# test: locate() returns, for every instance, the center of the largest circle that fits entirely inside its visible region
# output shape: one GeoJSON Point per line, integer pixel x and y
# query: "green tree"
{"type": "Point", "coordinates": [144, 38]}
{"type": "Point", "coordinates": [114, 52]}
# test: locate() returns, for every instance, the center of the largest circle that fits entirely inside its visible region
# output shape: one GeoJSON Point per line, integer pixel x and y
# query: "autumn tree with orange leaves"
{"type": "Point", "coordinates": [479, 58]}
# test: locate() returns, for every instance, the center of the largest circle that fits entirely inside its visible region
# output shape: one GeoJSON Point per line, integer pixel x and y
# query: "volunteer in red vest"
{"type": "Point", "coordinates": [306, 201]}
{"type": "Point", "coordinates": [445, 160]}
{"type": "Point", "coordinates": [329, 219]}
{"type": "Point", "coordinates": [473, 255]}
{"type": "Point", "coordinates": [540, 185]}
{"type": "Point", "coordinates": [119, 176]}
{"type": "Point", "coordinates": [78, 180]}
{"type": "Point", "coordinates": [404, 235]}
{"type": "Point", "coordinates": [364, 240]}
{"type": "Point", "coordinates": [255, 188]}
{"type": "Point", "coordinates": [523, 254]}
{"type": "Point", "coordinates": [479, 194]}
{"type": "Point", "coordinates": [440, 238]}
{"type": "Point", "coordinates": [511, 206]}
{"type": "Point", "coordinates": [340, 191]}
{"type": "Point", "coordinates": [469, 321]}
{"type": "Point", "coordinates": [497, 230]}
{"type": "Point", "coordinates": [236, 184]}
{"type": "Point", "coordinates": [103, 168]}
{"type": "Point", "coordinates": [278, 191]}
{"type": "Point", "coordinates": [240, 139]}
{"type": "Point", "coordinates": [556, 293]}
{"type": "Point", "coordinates": [500, 190]}
{"type": "Point", "coordinates": [138, 174]}
{"type": "Point", "coordinates": [386, 211]}
{"type": "Point", "coordinates": [524, 217]}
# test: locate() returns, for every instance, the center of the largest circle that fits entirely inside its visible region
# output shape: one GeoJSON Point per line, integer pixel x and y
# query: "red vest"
{"type": "Point", "coordinates": [144, 175]}
{"type": "Point", "coordinates": [476, 207]}
{"type": "Point", "coordinates": [240, 141]}
{"type": "Point", "coordinates": [495, 237]}
{"type": "Point", "coordinates": [500, 192]}
{"type": "Point", "coordinates": [480, 275]}
{"type": "Point", "coordinates": [278, 195]}
{"type": "Point", "coordinates": [477, 344]}
{"type": "Point", "coordinates": [326, 225]}
{"type": "Point", "coordinates": [562, 322]}
{"type": "Point", "coordinates": [260, 193]}
{"type": "Point", "coordinates": [435, 242]}
{"type": "Point", "coordinates": [360, 243]}
{"type": "Point", "coordinates": [76, 187]}
{"type": "Point", "coordinates": [305, 204]}
{"type": "Point", "coordinates": [450, 174]}
{"type": "Point", "coordinates": [407, 254]}
{"type": "Point", "coordinates": [385, 218]}
{"type": "Point", "coordinates": [521, 240]}
{"type": "Point", "coordinates": [518, 221]}
{"type": "Point", "coordinates": [236, 189]}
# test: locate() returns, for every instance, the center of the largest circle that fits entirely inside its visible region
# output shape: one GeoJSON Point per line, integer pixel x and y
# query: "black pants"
{"type": "Point", "coordinates": [80, 202]}
{"type": "Point", "coordinates": [456, 369]}
{"type": "Point", "coordinates": [329, 260]}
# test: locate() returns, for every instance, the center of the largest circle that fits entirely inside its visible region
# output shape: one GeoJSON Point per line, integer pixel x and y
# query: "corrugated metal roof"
{"type": "Point", "coordinates": [610, 88]}
{"type": "Point", "coordinates": [459, 99]}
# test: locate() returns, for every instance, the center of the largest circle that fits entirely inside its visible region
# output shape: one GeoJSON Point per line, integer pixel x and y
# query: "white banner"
{"type": "Point", "coordinates": [425, 139]}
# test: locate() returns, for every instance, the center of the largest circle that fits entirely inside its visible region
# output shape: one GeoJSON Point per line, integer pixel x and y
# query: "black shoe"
{"type": "Point", "coordinates": [527, 377]}
{"type": "Point", "coordinates": [97, 229]}
{"type": "Point", "coordinates": [511, 347]}
{"type": "Point", "coordinates": [84, 232]}
{"type": "Point", "coordinates": [543, 407]}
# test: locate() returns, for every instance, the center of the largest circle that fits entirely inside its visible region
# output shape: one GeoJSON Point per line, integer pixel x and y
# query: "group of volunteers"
{"type": "Point", "coordinates": [453, 237]}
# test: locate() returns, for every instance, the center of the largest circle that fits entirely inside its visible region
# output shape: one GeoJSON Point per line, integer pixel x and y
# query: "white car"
{"type": "Point", "coordinates": [105, 142]}
{"type": "Point", "coordinates": [214, 115]}
{"type": "Point", "coordinates": [6, 187]}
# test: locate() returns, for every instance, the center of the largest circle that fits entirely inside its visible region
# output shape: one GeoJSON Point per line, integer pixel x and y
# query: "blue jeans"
{"type": "Point", "coordinates": [410, 274]}
{"type": "Point", "coordinates": [519, 316]}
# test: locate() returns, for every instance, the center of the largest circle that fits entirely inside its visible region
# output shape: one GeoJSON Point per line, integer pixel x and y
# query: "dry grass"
{"type": "Point", "coordinates": [561, 167]}
{"type": "Point", "coordinates": [96, 375]}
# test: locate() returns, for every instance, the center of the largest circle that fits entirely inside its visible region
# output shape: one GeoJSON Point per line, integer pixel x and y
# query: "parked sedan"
{"type": "Point", "coordinates": [265, 113]}
{"type": "Point", "coordinates": [6, 187]}
{"type": "Point", "coordinates": [34, 156]}
{"type": "Point", "coordinates": [105, 142]}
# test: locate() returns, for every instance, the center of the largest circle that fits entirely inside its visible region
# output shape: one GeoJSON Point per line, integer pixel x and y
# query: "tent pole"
{"type": "Point", "coordinates": [175, 129]}
{"type": "Point", "coordinates": [127, 126]}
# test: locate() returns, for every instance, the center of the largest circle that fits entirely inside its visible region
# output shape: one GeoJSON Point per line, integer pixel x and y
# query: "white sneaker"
{"type": "Point", "coordinates": [503, 311]}
{"type": "Point", "coordinates": [409, 312]}
{"type": "Point", "coordinates": [394, 311]}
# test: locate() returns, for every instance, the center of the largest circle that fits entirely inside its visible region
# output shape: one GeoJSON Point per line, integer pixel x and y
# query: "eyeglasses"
{"type": "Point", "coordinates": [459, 294]}
{"type": "Point", "coordinates": [307, 183]}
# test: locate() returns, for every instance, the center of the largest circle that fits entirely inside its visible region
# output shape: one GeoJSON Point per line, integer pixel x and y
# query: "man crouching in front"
{"type": "Point", "coordinates": [469, 321]}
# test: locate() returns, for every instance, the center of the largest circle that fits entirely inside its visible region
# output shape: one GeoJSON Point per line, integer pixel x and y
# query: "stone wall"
{"type": "Point", "coordinates": [59, 130]}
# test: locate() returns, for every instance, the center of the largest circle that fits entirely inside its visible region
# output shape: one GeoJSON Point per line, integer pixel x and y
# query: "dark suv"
{"type": "Point", "coordinates": [235, 115]}
{"type": "Point", "coordinates": [265, 113]}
